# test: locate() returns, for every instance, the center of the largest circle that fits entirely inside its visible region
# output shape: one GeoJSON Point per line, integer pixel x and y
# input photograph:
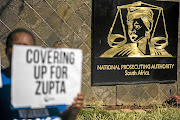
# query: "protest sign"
{"type": "Point", "coordinates": [45, 76]}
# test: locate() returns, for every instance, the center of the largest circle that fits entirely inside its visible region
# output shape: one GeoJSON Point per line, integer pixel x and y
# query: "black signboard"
{"type": "Point", "coordinates": [134, 42]}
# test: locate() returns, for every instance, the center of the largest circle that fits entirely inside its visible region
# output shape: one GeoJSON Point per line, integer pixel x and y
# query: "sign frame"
{"type": "Point", "coordinates": [102, 46]}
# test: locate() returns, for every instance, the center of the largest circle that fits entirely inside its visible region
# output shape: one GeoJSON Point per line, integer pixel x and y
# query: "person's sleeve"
{"type": "Point", "coordinates": [61, 107]}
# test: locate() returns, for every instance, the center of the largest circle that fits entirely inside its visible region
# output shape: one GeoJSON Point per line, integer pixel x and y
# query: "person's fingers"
{"type": "Point", "coordinates": [75, 98]}
{"type": "Point", "coordinates": [80, 94]}
{"type": "Point", "coordinates": [73, 104]}
{"type": "Point", "coordinates": [79, 102]}
{"type": "Point", "coordinates": [80, 98]}
{"type": "Point", "coordinates": [79, 106]}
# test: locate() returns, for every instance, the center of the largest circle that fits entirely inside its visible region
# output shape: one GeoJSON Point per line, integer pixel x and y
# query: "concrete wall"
{"type": "Point", "coordinates": [67, 23]}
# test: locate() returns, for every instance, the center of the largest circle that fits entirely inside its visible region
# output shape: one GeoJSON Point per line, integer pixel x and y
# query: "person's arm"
{"type": "Point", "coordinates": [72, 112]}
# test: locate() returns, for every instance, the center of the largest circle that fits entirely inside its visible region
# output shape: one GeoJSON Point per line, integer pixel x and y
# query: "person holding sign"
{"type": "Point", "coordinates": [7, 111]}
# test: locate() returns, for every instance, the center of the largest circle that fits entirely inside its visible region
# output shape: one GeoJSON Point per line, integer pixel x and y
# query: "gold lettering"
{"type": "Point", "coordinates": [108, 67]}
{"type": "Point", "coordinates": [135, 67]}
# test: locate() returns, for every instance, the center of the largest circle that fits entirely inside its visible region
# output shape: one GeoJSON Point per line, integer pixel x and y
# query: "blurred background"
{"type": "Point", "coordinates": [67, 23]}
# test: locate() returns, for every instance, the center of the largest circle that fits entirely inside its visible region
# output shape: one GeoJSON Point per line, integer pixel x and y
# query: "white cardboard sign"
{"type": "Point", "coordinates": [45, 76]}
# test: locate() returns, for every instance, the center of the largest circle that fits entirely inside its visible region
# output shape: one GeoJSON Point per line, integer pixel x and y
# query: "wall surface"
{"type": "Point", "coordinates": [67, 23]}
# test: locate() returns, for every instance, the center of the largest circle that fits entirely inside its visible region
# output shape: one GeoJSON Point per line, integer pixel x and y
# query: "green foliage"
{"type": "Point", "coordinates": [97, 104]}
{"type": "Point", "coordinates": [155, 114]}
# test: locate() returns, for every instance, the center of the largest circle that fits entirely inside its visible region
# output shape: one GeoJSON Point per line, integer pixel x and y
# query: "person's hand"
{"type": "Point", "coordinates": [78, 102]}
{"type": "Point", "coordinates": [72, 112]}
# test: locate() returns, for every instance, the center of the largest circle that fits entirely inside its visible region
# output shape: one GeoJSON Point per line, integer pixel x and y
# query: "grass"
{"type": "Point", "coordinates": [160, 113]}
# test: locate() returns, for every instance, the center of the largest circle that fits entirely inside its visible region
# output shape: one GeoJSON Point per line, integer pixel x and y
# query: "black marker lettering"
{"type": "Point", "coordinates": [51, 86]}
{"type": "Point", "coordinates": [63, 87]}
{"type": "Point", "coordinates": [49, 56]}
{"type": "Point", "coordinates": [72, 58]}
{"type": "Point", "coordinates": [65, 58]}
{"type": "Point", "coordinates": [45, 87]}
{"type": "Point", "coordinates": [57, 85]}
{"type": "Point", "coordinates": [64, 72]}
{"type": "Point", "coordinates": [28, 55]}
{"type": "Point", "coordinates": [36, 56]}
{"type": "Point", "coordinates": [37, 90]}
{"type": "Point", "coordinates": [43, 56]}
{"type": "Point", "coordinates": [58, 72]}
{"type": "Point", "coordinates": [36, 72]}
{"type": "Point", "coordinates": [52, 72]}
{"type": "Point", "coordinates": [56, 56]}
{"type": "Point", "coordinates": [44, 70]}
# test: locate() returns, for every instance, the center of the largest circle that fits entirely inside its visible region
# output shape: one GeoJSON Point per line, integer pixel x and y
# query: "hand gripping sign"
{"type": "Point", "coordinates": [45, 76]}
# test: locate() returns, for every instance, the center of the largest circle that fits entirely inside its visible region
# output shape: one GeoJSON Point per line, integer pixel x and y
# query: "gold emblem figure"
{"type": "Point", "coordinates": [140, 21]}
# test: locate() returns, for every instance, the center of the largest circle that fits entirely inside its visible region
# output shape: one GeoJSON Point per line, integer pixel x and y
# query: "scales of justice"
{"type": "Point", "coordinates": [141, 32]}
